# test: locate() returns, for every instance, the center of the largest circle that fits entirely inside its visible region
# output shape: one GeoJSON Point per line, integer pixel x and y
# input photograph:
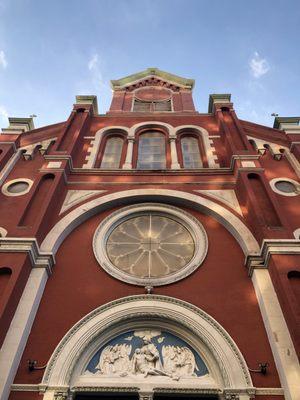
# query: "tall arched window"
{"type": "Point", "coordinates": [112, 153]}
{"type": "Point", "coordinates": [151, 151]}
{"type": "Point", "coordinates": [190, 152]}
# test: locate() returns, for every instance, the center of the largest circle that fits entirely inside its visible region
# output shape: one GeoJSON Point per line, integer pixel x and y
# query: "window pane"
{"type": "Point", "coordinates": [142, 106]}
{"type": "Point", "coordinates": [152, 151]}
{"type": "Point", "coordinates": [162, 105]}
{"type": "Point", "coordinates": [112, 154]}
{"type": "Point", "coordinates": [190, 153]}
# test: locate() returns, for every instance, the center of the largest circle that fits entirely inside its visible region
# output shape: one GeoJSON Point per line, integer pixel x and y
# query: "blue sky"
{"type": "Point", "coordinates": [52, 50]}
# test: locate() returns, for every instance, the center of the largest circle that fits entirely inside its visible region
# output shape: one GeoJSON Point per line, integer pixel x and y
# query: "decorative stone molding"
{"type": "Point", "coordinates": [9, 166]}
{"type": "Point", "coordinates": [3, 232]}
{"type": "Point", "coordinates": [74, 197]}
{"type": "Point", "coordinates": [54, 164]}
{"type": "Point", "coordinates": [87, 100]}
{"type": "Point", "coordinates": [5, 187]}
{"type": "Point", "coordinates": [269, 247]}
{"type": "Point", "coordinates": [29, 150]}
{"type": "Point", "coordinates": [273, 182]}
{"type": "Point", "coordinates": [231, 222]}
{"type": "Point", "coordinates": [207, 143]}
{"type": "Point", "coordinates": [286, 360]}
{"type": "Point", "coordinates": [297, 234]}
{"type": "Point", "coordinates": [218, 99]}
{"type": "Point", "coordinates": [18, 125]}
{"type": "Point", "coordinates": [95, 145]}
{"type": "Point", "coordinates": [38, 258]}
{"type": "Point", "coordinates": [227, 197]}
{"type": "Point", "coordinates": [79, 343]}
{"type": "Point", "coordinates": [123, 83]}
{"type": "Point", "coordinates": [193, 226]}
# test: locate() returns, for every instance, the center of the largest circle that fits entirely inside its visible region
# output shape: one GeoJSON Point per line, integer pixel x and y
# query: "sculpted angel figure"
{"type": "Point", "coordinates": [114, 360]}
{"type": "Point", "coordinates": [179, 361]}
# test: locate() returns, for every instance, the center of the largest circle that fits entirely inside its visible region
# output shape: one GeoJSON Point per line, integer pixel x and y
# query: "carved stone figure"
{"type": "Point", "coordinates": [179, 361]}
{"type": "Point", "coordinates": [141, 364]}
{"type": "Point", "coordinates": [114, 360]}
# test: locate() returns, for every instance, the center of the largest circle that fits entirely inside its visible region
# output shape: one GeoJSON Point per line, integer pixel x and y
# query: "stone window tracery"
{"type": "Point", "coordinates": [150, 243]}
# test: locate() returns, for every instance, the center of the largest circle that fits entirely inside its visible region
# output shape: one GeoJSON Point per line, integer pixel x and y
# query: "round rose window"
{"type": "Point", "coordinates": [150, 246]}
{"type": "Point", "coordinates": [150, 243]}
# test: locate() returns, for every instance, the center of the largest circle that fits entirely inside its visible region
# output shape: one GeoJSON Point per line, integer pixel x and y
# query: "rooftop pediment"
{"type": "Point", "coordinates": [152, 77]}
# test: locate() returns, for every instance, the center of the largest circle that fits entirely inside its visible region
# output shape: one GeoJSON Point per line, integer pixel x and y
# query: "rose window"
{"type": "Point", "coordinates": [150, 246]}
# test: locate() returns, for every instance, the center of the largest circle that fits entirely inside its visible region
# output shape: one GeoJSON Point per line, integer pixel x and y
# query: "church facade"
{"type": "Point", "coordinates": [151, 252]}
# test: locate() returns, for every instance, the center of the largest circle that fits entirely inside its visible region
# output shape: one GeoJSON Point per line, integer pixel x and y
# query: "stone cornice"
{"type": "Point", "coordinates": [28, 245]}
{"type": "Point", "coordinates": [120, 84]}
{"type": "Point", "coordinates": [269, 247]}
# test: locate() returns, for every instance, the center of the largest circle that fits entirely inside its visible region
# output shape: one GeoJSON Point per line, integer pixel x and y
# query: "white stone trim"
{"type": "Point", "coordinates": [297, 234]}
{"type": "Point", "coordinates": [208, 147]}
{"type": "Point", "coordinates": [248, 164]}
{"type": "Point", "coordinates": [272, 183]}
{"type": "Point", "coordinates": [38, 258]}
{"type": "Point", "coordinates": [118, 315]}
{"type": "Point", "coordinates": [76, 196]}
{"type": "Point", "coordinates": [54, 164]}
{"type": "Point", "coordinates": [5, 191]}
{"type": "Point", "coordinates": [95, 144]}
{"type": "Point", "coordinates": [279, 337]}
{"type": "Point", "coordinates": [238, 229]}
{"type": "Point", "coordinates": [226, 196]}
{"type": "Point", "coordinates": [194, 227]}
{"type": "Point", "coordinates": [9, 166]}
{"type": "Point", "coordinates": [16, 337]}
{"type": "Point", "coordinates": [3, 232]}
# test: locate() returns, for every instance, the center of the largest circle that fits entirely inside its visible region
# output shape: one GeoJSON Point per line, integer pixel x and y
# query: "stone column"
{"type": "Point", "coordinates": [128, 160]}
{"type": "Point", "coordinates": [174, 157]}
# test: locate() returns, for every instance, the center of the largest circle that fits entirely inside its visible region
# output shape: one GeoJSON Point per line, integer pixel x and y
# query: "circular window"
{"type": "Point", "coordinates": [150, 244]}
{"type": "Point", "coordinates": [285, 186]}
{"type": "Point", "coordinates": [17, 187]}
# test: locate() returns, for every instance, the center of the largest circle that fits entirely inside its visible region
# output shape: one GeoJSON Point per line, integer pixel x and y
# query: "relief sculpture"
{"type": "Point", "coordinates": [149, 354]}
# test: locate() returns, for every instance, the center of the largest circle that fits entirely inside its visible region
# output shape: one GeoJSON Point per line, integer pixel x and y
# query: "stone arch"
{"type": "Point", "coordinates": [208, 148]}
{"type": "Point", "coordinates": [95, 144]}
{"type": "Point", "coordinates": [74, 218]}
{"type": "Point", "coordinates": [152, 124]}
{"type": "Point", "coordinates": [224, 360]}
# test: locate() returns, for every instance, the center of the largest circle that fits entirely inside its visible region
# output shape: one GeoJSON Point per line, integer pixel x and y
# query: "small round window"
{"type": "Point", "coordinates": [17, 187]}
{"type": "Point", "coordinates": [150, 244]}
{"type": "Point", "coordinates": [285, 186]}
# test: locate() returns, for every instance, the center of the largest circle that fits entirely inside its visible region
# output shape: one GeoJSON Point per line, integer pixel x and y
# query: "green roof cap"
{"type": "Point", "coordinates": [177, 80]}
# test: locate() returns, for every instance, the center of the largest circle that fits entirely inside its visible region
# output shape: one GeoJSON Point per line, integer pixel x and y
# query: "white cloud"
{"type": "Point", "coordinates": [3, 115]}
{"type": "Point", "coordinates": [258, 66]}
{"type": "Point", "coordinates": [93, 63]}
{"type": "Point", "coordinates": [3, 62]}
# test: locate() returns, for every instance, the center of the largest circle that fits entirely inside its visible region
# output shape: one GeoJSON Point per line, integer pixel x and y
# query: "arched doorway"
{"type": "Point", "coordinates": [111, 351]}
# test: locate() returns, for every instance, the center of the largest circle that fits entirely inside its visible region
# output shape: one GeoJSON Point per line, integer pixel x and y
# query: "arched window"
{"type": "Point", "coordinates": [151, 151]}
{"type": "Point", "coordinates": [112, 153]}
{"type": "Point", "coordinates": [190, 152]}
